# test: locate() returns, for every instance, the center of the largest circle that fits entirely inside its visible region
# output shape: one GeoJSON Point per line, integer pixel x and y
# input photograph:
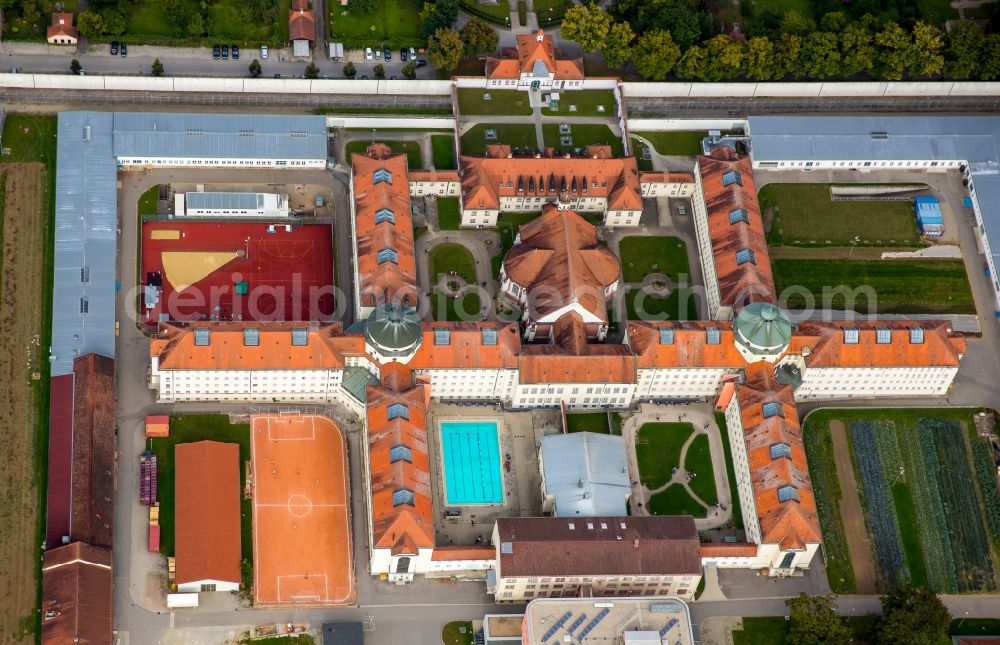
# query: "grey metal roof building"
{"type": "Point", "coordinates": [83, 299]}
{"type": "Point", "coordinates": [229, 136]}
{"type": "Point", "coordinates": [968, 143]}
{"type": "Point", "coordinates": [585, 474]}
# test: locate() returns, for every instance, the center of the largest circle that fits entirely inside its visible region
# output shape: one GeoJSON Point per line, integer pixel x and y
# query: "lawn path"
{"type": "Point", "coordinates": [851, 514]}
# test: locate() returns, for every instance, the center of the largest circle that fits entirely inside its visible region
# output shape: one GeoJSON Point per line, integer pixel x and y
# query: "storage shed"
{"type": "Point", "coordinates": [929, 216]}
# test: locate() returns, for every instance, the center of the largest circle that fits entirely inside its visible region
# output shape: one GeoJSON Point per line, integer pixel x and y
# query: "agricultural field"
{"type": "Point", "coordinates": [927, 524]}
{"type": "Point", "coordinates": [27, 182]}
{"type": "Point", "coordinates": [942, 287]}
{"type": "Point", "coordinates": [804, 215]}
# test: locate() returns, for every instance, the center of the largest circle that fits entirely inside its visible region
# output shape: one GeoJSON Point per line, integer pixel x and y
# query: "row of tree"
{"type": "Point", "coordinates": [910, 616]}
{"type": "Point", "coordinates": [864, 48]}
{"type": "Point", "coordinates": [447, 48]}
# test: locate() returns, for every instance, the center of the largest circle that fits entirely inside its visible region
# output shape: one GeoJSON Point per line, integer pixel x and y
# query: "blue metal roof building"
{"type": "Point", "coordinates": [967, 143]}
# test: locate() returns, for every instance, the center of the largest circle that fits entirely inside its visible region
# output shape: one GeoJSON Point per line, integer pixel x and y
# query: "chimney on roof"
{"type": "Point", "coordinates": [540, 36]}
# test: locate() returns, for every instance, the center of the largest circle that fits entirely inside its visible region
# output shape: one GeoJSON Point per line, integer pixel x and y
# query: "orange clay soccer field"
{"type": "Point", "coordinates": [301, 530]}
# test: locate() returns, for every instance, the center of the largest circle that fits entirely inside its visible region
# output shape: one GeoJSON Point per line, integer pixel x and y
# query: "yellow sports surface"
{"type": "Point", "coordinates": [165, 234]}
{"type": "Point", "coordinates": [184, 268]}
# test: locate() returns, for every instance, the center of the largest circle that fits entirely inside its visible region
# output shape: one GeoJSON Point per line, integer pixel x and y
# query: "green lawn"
{"type": "Point", "coordinates": [900, 286]}
{"type": "Point", "coordinates": [466, 307]}
{"type": "Point", "coordinates": [651, 308]}
{"type": "Point", "coordinates": [699, 460]}
{"type": "Point", "coordinates": [445, 258]}
{"type": "Point", "coordinates": [443, 151]}
{"type": "Point", "coordinates": [803, 214]}
{"type": "Point", "coordinates": [449, 217]}
{"type": "Point", "coordinates": [551, 11]}
{"type": "Point", "coordinates": [498, 13]}
{"type": "Point", "coordinates": [587, 103]}
{"type": "Point", "coordinates": [975, 627]}
{"type": "Point", "coordinates": [410, 148]}
{"type": "Point", "coordinates": [451, 636]}
{"type": "Point", "coordinates": [186, 429]}
{"type": "Point", "coordinates": [148, 23]}
{"type": "Point", "coordinates": [737, 517]}
{"type": "Point", "coordinates": [637, 147]}
{"type": "Point", "coordinates": [769, 630]}
{"type": "Point", "coordinates": [148, 201]}
{"type": "Point", "coordinates": [658, 449]}
{"type": "Point", "coordinates": [583, 135]}
{"type": "Point", "coordinates": [675, 143]}
{"type": "Point", "coordinates": [518, 135]}
{"type": "Point", "coordinates": [348, 109]}
{"type": "Point", "coordinates": [641, 256]}
{"type": "Point", "coordinates": [588, 422]}
{"type": "Point", "coordinates": [472, 101]}
{"type": "Point", "coordinates": [902, 500]}
{"type": "Point", "coordinates": [394, 24]}
{"type": "Point", "coordinates": [674, 500]}
{"type": "Point", "coordinates": [522, 12]}
{"type": "Point", "coordinates": [30, 137]}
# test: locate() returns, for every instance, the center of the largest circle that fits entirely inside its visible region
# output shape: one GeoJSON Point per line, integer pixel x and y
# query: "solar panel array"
{"type": "Point", "coordinates": [670, 625]}
{"type": "Point", "coordinates": [559, 623]}
{"type": "Point", "coordinates": [576, 623]}
{"type": "Point", "coordinates": [590, 627]}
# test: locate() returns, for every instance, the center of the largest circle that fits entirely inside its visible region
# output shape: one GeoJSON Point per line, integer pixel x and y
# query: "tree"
{"type": "Point", "coordinates": [75, 67]}
{"type": "Point", "coordinates": [655, 54]}
{"type": "Point", "coordinates": [438, 14]}
{"type": "Point", "coordinates": [965, 44]}
{"type": "Point", "coordinates": [928, 48]}
{"type": "Point", "coordinates": [913, 616]}
{"type": "Point", "coordinates": [444, 49]}
{"type": "Point", "coordinates": [588, 26]}
{"type": "Point", "coordinates": [410, 70]}
{"type": "Point", "coordinates": [989, 69]}
{"type": "Point", "coordinates": [617, 47]}
{"type": "Point", "coordinates": [90, 23]}
{"type": "Point", "coordinates": [820, 56]}
{"type": "Point", "coordinates": [255, 70]}
{"type": "Point", "coordinates": [795, 23]}
{"type": "Point", "coordinates": [682, 18]}
{"type": "Point", "coordinates": [157, 69]}
{"type": "Point", "coordinates": [894, 51]}
{"type": "Point", "coordinates": [479, 38]}
{"type": "Point", "coordinates": [814, 621]}
{"type": "Point", "coordinates": [196, 25]}
{"type": "Point", "coordinates": [857, 53]}
{"type": "Point", "coordinates": [692, 63]}
{"type": "Point", "coordinates": [759, 63]}
{"type": "Point", "coordinates": [114, 22]}
{"type": "Point", "coordinates": [786, 55]}
{"type": "Point", "coordinates": [724, 58]}
{"type": "Point", "coordinates": [833, 22]}
{"type": "Point", "coordinates": [312, 71]}
{"type": "Point", "coordinates": [350, 71]}
{"type": "Point", "coordinates": [379, 71]}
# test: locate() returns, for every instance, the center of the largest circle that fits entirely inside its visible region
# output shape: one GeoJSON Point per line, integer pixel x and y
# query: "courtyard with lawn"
{"type": "Point", "coordinates": [517, 135]}
{"type": "Point", "coordinates": [928, 491]}
{"type": "Point", "coordinates": [680, 143]}
{"type": "Point", "coordinates": [645, 256]}
{"type": "Point", "coordinates": [583, 103]}
{"type": "Point", "coordinates": [443, 151]}
{"type": "Point", "coordinates": [579, 136]}
{"type": "Point", "coordinates": [588, 422]}
{"type": "Point", "coordinates": [658, 451]}
{"type": "Point", "coordinates": [875, 286]}
{"type": "Point", "coordinates": [393, 23]}
{"type": "Point", "coordinates": [805, 215]}
{"type": "Point", "coordinates": [410, 148]}
{"type": "Point", "coordinates": [449, 217]}
{"type": "Point", "coordinates": [476, 101]}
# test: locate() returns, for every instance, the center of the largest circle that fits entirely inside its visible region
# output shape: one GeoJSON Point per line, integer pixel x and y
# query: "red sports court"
{"type": "Point", "coordinates": [236, 271]}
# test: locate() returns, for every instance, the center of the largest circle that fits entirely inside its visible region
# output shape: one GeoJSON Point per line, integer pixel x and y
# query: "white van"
{"type": "Point", "coordinates": [368, 53]}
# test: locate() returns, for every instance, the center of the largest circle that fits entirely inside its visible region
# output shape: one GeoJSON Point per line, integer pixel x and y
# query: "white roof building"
{"type": "Point", "coordinates": [584, 474]}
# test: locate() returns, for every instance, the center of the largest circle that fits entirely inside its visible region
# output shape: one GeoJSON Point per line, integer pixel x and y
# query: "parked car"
{"type": "Point", "coordinates": [124, 50]}
{"type": "Point", "coordinates": [364, 77]}
{"type": "Point", "coordinates": [236, 52]}
{"type": "Point", "coordinates": [225, 52]}
{"type": "Point", "coordinates": [368, 53]}
{"type": "Point", "coordinates": [413, 53]}
{"type": "Point", "coordinates": [378, 53]}
{"type": "Point", "coordinates": [216, 52]}
{"type": "Point", "coordinates": [263, 52]}
{"type": "Point", "coordinates": [277, 75]}
{"type": "Point", "coordinates": [402, 54]}
{"type": "Point", "coordinates": [421, 63]}
{"type": "Point", "coordinates": [388, 54]}
{"type": "Point", "coordinates": [114, 47]}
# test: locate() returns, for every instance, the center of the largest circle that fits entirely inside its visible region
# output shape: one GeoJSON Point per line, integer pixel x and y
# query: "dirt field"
{"type": "Point", "coordinates": [21, 307]}
{"type": "Point", "coordinates": [851, 513]}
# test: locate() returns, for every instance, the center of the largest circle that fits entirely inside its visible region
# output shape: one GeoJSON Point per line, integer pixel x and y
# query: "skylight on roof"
{"type": "Point", "coordinates": [402, 496]}
{"type": "Point", "coordinates": [788, 493]}
{"type": "Point", "coordinates": [713, 335]}
{"type": "Point", "coordinates": [490, 335]}
{"type": "Point", "coordinates": [739, 215]}
{"type": "Point", "coordinates": [883, 335]}
{"type": "Point", "coordinates": [772, 409]}
{"type": "Point", "coordinates": [852, 335]}
{"type": "Point", "coordinates": [385, 215]}
{"type": "Point", "coordinates": [300, 336]}
{"type": "Point", "coordinates": [397, 410]}
{"type": "Point", "coordinates": [202, 336]}
{"type": "Point", "coordinates": [732, 177]}
{"type": "Point", "coordinates": [251, 336]}
{"type": "Point", "coordinates": [916, 335]}
{"type": "Point", "coordinates": [387, 255]}
{"type": "Point", "coordinates": [382, 175]}
{"type": "Point", "coordinates": [746, 255]}
{"type": "Point", "coordinates": [442, 336]}
{"type": "Point", "coordinates": [666, 335]}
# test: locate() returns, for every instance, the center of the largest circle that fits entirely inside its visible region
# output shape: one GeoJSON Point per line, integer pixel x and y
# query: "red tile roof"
{"type": "Point", "coordinates": [595, 174]}
{"type": "Point", "coordinates": [751, 281]}
{"type": "Point", "coordinates": [721, 550]}
{"type": "Point", "coordinates": [62, 25]}
{"type": "Point", "coordinates": [450, 176]}
{"type": "Point", "coordinates": [403, 527]}
{"type": "Point", "coordinates": [301, 25]}
{"type": "Point", "coordinates": [207, 511]}
{"type": "Point", "coordinates": [559, 262]}
{"type": "Point", "coordinates": [77, 595]}
{"type": "Point", "coordinates": [443, 553]}
{"type": "Point", "coordinates": [666, 178]}
{"type": "Point", "coordinates": [826, 347]}
{"type": "Point", "coordinates": [94, 417]}
{"type": "Point", "coordinates": [792, 524]}
{"type": "Point", "coordinates": [690, 347]}
{"type": "Point", "coordinates": [532, 49]}
{"type": "Point", "coordinates": [571, 359]}
{"type": "Point", "coordinates": [394, 279]}
{"type": "Point", "coordinates": [465, 348]}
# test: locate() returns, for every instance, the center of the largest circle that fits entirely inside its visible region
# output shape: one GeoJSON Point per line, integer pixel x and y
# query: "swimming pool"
{"type": "Point", "coordinates": [471, 458]}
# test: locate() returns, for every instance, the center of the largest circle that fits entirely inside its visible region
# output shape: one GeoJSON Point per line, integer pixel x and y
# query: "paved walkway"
{"type": "Point", "coordinates": [703, 420]}
{"type": "Point", "coordinates": [858, 543]}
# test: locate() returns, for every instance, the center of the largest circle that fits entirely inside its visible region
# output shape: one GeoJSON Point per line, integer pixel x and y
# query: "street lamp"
{"type": "Point", "coordinates": [854, 242]}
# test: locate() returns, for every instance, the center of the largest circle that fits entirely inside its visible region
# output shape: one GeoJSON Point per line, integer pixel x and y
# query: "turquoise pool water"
{"type": "Point", "coordinates": [471, 456]}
